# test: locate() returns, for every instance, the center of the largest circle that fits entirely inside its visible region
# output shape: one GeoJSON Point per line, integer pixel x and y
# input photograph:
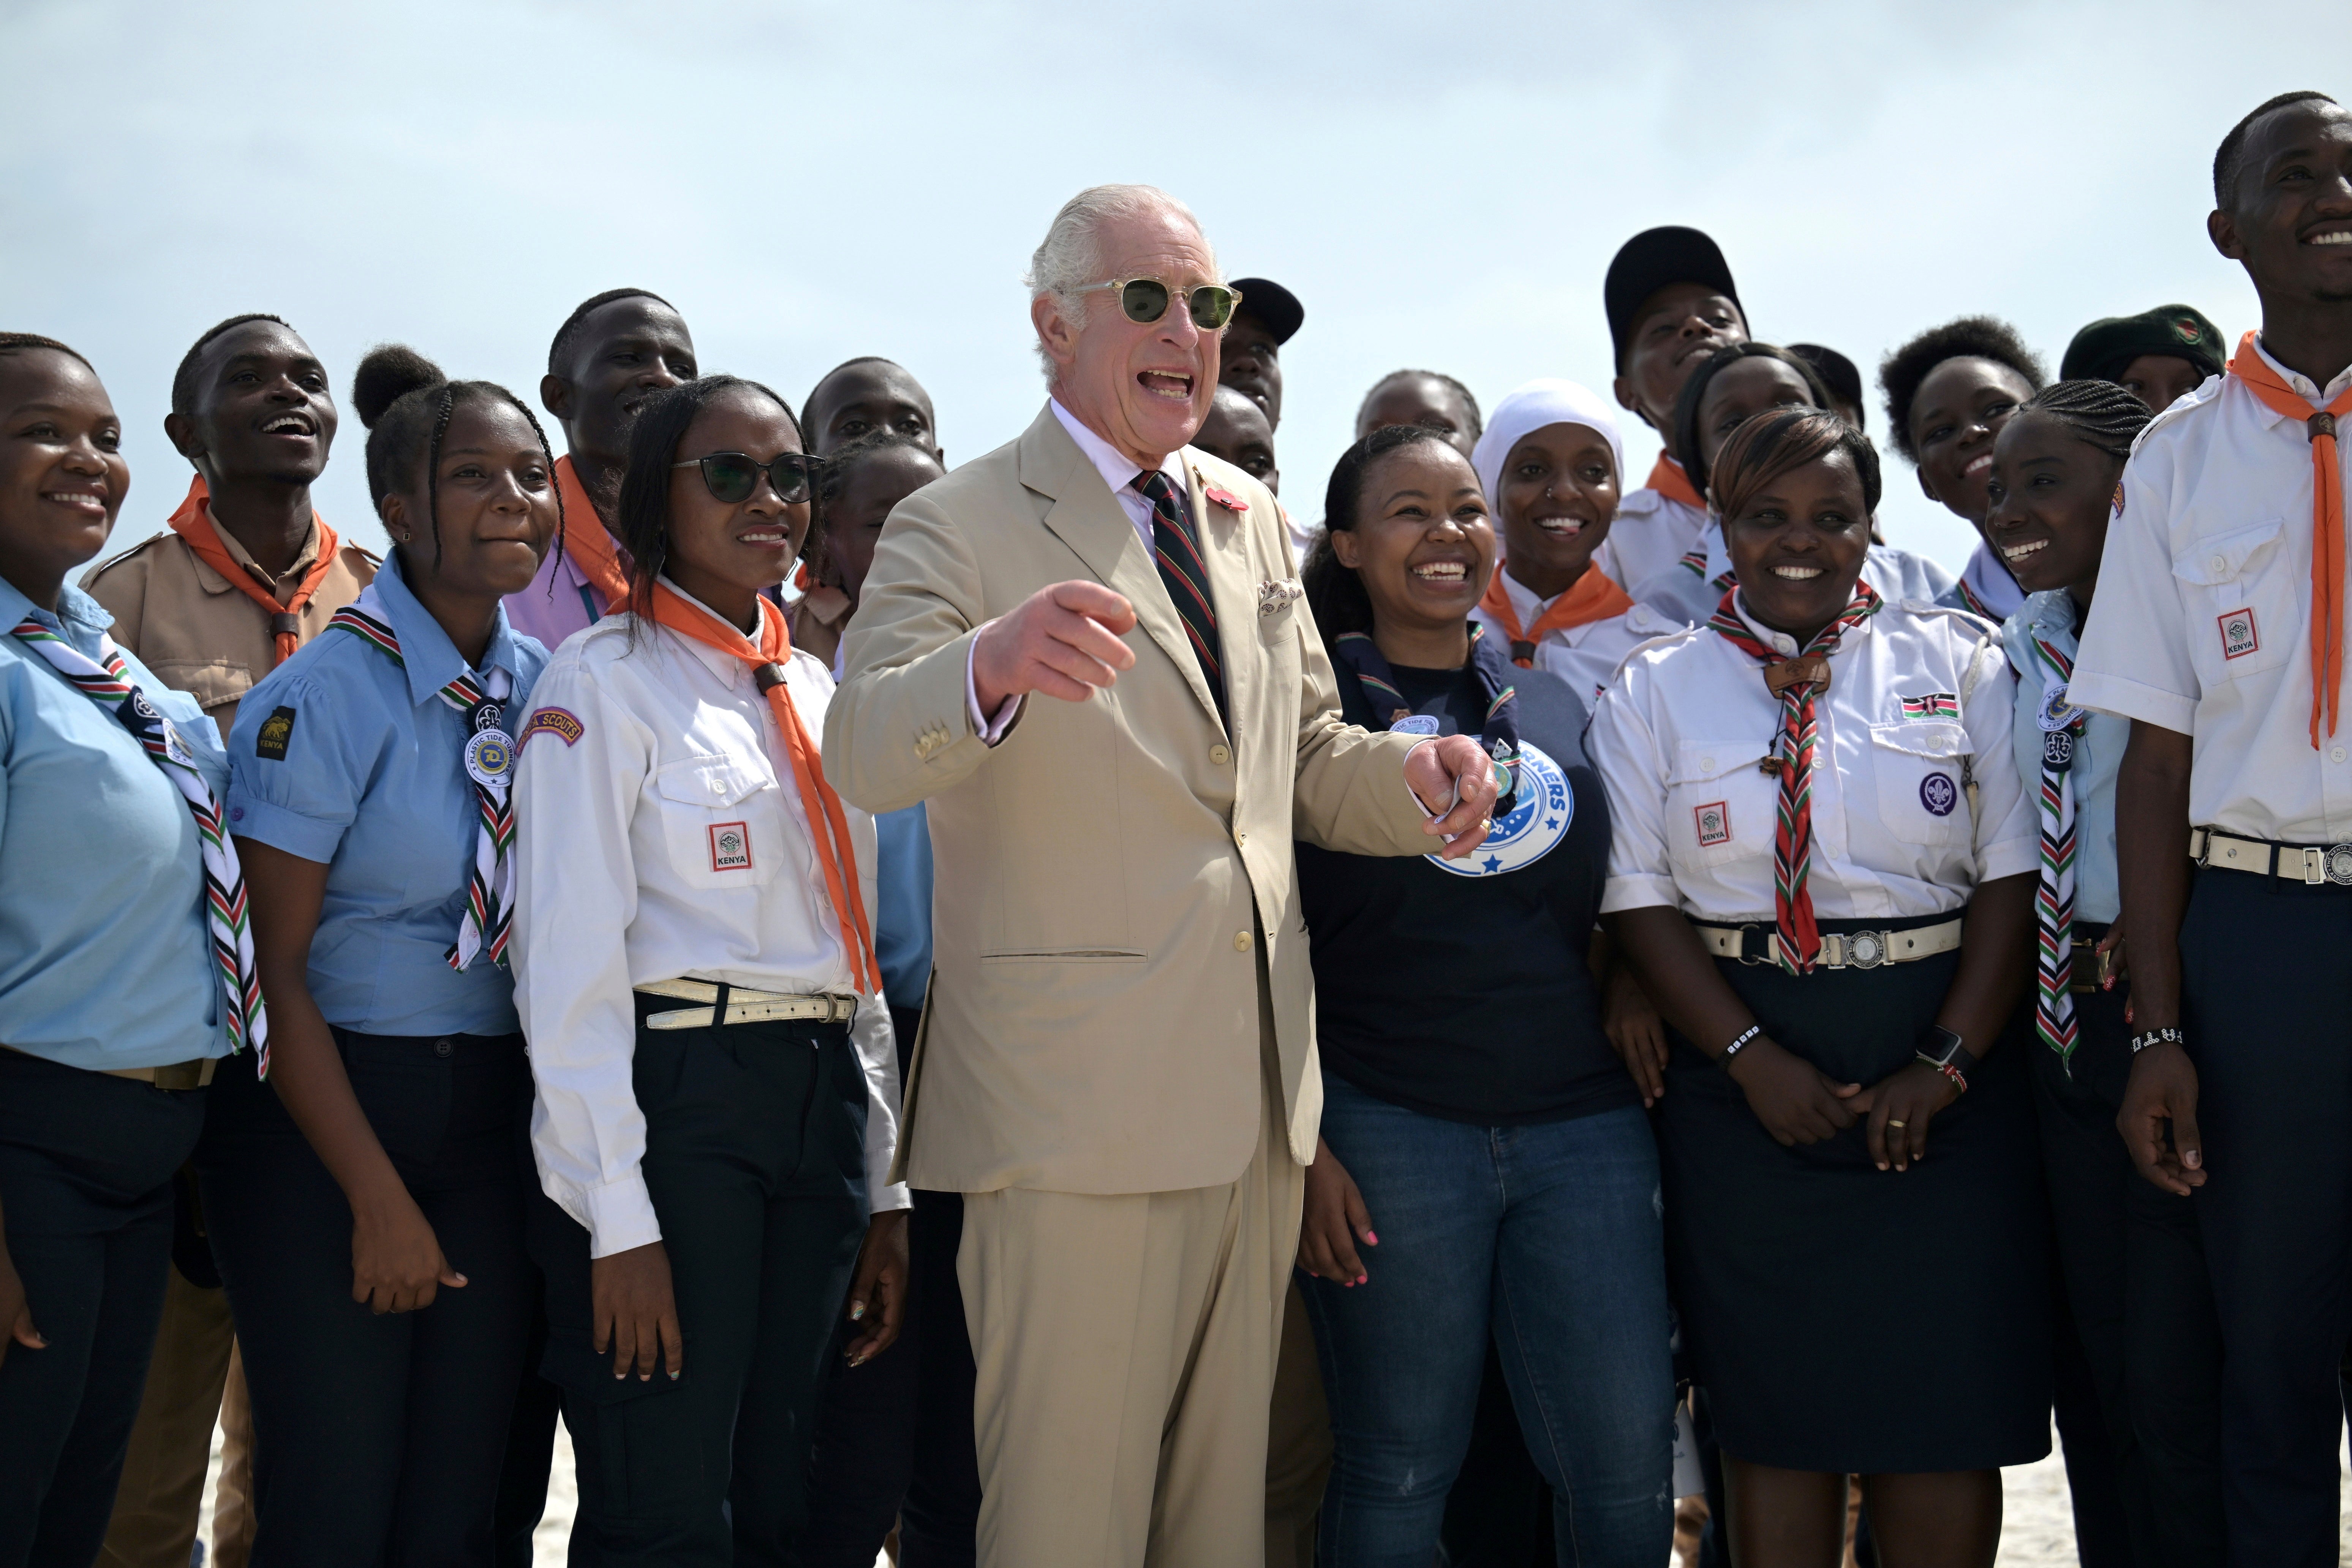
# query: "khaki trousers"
{"type": "Point", "coordinates": [193, 1378]}
{"type": "Point", "coordinates": [1125, 1347]}
{"type": "Point", "coordinates": [1298, 1443]}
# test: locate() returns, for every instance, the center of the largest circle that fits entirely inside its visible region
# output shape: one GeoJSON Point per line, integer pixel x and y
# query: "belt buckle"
{"type": "Point", "coordinates": [1867, 949]}
{"type": "Point", "coordinates": [1741, 953]}
{"type": "Point", "coordinates": [2337, 861]}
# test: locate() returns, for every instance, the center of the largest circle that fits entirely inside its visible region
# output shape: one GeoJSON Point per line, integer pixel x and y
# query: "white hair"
{"type": "Point", "coordinates": [1070, 256]}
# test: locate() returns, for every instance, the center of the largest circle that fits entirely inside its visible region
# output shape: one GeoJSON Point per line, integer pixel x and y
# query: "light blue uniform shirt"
{"type": "Point", "coordinates": [902, 919]}
{"type": "Point", "coordinates": [105, 957]}
{"type": "Point", "coordinates": [374, 786]}
{"type": "Point", "coordinates": [2097, 754]}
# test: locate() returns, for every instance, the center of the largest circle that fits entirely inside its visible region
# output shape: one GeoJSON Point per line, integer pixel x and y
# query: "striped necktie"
{"type": "Point", "coordinates": [1186, 575]}
{"type": "Point", "coordinates": [2054, 899]}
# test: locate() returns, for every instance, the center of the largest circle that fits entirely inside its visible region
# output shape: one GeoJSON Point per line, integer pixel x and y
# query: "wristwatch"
{"type": "Point", "coordinates": [1941, 1048]}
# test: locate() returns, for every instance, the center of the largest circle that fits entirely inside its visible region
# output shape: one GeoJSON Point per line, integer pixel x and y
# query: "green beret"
{"type": "Point", "coordinates": [2104, 350]}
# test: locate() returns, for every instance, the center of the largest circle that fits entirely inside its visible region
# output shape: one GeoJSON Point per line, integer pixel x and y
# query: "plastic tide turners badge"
{"type": "Point", "coordinates": [1532, 828]}
{"type": "Point", "coordinates": [490, 758]}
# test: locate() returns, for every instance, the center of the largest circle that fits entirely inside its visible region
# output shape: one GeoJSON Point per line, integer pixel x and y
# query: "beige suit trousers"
{"type": "Point", "coordinates": [1126, 1349]}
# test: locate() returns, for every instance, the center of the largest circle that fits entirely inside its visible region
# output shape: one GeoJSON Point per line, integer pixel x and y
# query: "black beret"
{"type": "Point", "coordinates": [1650, 261]}
{"type": "Point", "coordinates": [2104, 350]}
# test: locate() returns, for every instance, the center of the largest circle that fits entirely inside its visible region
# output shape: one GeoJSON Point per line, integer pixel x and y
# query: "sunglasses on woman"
{"type": "Point", "coordinates": [731, 477]}
{"type": "Point", "coordinates": [1145, 300]}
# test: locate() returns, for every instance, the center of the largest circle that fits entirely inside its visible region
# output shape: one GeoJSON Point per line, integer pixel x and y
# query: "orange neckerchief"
{"type": "Point", "coordinates": [827, 826]}
{"type": "Point", "coordinates": [1667, 478]}
{"type": "Point", "coordinates": [2326, 521]}
{"type": "Point", "coordinates": [1592, 597]}
{"type": "Point", "coordinates": [590, 548]}
{"type": "Point", "coordinates": [193, 522]}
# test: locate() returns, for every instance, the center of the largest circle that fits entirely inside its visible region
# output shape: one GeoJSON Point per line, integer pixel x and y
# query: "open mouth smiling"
{"type": "Point", "coordinates": [290, 425]}
{"type": "Point", "coordinates": [1173, 385]}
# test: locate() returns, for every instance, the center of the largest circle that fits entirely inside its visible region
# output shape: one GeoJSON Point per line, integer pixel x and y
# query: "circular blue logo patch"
{"type": "Point", "coordinates": [1539, 820]}
{"type": "Point", "coordinates": [1938, 794]}
{"type": "Point", "coordinates": [490, 756]}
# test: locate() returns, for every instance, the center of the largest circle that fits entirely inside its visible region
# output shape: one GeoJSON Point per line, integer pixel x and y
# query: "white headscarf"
{"type": "Point", "coordinates": [1527, 409]}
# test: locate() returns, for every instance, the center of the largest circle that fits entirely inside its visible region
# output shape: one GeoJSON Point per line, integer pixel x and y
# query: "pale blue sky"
{"type": "Point", "coordinates": [1442, 185]}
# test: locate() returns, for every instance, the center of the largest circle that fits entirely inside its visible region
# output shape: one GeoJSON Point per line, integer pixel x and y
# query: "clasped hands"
{"type": "Point", "coordinates": [1798, 1103]}
{"type": "Point", "coordinates": [1066, 641]}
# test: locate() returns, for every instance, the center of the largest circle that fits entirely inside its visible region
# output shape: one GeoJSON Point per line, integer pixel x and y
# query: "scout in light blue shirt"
{"type": "Point", "coordinates": [349, 757]}
{"type": "Point", "coordinates": [2053, 619]}
{"type": "Point", "coordinates": [105, 958]}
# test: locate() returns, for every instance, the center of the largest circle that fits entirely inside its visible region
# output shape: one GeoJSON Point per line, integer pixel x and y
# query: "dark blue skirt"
{"type": "Point", "coordinates": [1844, 1317]}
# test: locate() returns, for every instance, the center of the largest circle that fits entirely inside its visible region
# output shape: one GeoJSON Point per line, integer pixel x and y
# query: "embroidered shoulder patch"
{"type": "Point", "coordinates": [2238, 636]}
{"type": "Point", "coordinates": [1713, 821]}
{"type": "Point", "coordinates": [275, 731]}
{"type": "Point", "coordinates": [1932, 705]}
{"type": "Point", "coordinates": [560, 722]}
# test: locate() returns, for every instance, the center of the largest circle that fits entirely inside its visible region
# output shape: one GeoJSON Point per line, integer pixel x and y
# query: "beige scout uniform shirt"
{"type": "Point", "coordinates": [192, 626]}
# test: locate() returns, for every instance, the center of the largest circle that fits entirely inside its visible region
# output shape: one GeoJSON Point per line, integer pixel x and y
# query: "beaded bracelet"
{"type": "Point", "coordinates": [2157, 1037]}
{"type": "Point", "coordinates": [1745, 1034]}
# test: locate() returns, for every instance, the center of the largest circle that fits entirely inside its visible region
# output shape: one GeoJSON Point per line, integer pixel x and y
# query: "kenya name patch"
{"type": "Point", "coordinates": [2239, 635]}
{"type": "Point", "coordinates": [730, 846]}
{"type": "Point", "coordinates": [1714, 823]}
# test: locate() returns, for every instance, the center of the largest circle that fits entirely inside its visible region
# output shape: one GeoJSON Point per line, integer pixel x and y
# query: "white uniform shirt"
{"type": "Point", "coordinates": [634, 761]}
{"type": "Point", "coordinates": [1652, 531]}
{"type": "Point", "coordinates": [1679, 736]}
{"type": "Point", "coordinates": [2202, 620]}
{"type": "Point", "coordinates": [1586, 656]}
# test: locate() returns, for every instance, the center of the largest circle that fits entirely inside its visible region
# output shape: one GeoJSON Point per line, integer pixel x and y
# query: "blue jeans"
{"type": "Point", "coordinates": [1549, 1238]}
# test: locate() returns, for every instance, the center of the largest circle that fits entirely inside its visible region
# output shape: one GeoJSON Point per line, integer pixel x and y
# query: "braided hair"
{"type": "Point", "coordinates": [825, 487]}
{"type": "Point", "coordinates": [1901, 372]}
{"type": "Point", "coordinates": [1334, 592]}
{"type": "Point", "coordinates": [2096, 413]}
{"type": "Point", "coordinates": [643, 512]}
{"type": "Point", "coordinates": [1681, 432]}
{"type": "Point", "coordinates": [183, 380]}
{"type": "Point", "coordinates": [405, 403]}
{"type": "Point", "coordinates": [1469, 403]}
{"type": "Point", "coordinates": [18, 342]}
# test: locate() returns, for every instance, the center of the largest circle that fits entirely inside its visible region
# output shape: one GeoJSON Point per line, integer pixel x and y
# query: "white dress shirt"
{"type": "Point", "coordinates": [644, 754]}
{"type": "Point", "coordinates": [1652, 531]}
{"type": "Point", "coordinates": [2202, 620]}
{"type": "Point", "coordinates": [1680, 732]}
{"type": "Point", "coordinates": [1586, 656]}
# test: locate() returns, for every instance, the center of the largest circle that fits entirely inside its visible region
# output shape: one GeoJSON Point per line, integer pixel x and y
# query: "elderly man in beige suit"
{"type": "Point", "coordinates": [1116, 1066]}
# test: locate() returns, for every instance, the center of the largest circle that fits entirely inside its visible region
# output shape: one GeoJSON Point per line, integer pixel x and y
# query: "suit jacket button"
{"type": "Point", "coordinates": [1220, 756]}
{"type": "Point", "coordinates": [1241, 941]}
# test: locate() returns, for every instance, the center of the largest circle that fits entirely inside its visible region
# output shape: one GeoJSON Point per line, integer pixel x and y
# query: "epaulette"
{"type": "Point", "coordinates": [2206, 393]}
{"type": "Point", "coordinates": [113, 561]}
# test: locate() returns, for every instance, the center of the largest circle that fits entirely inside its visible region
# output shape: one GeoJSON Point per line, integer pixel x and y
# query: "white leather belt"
{"type": "Point", "coordinates": [2307, 863]}
{"type": "Point", "coordinates": [1840, 950]}
{"type": "Point", "coordinates": [743, 1005]}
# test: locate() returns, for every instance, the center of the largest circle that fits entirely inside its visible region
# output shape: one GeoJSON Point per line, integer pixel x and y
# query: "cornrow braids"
{"type": "Point", "coordinates": [433, 467]}
{"type": "Point", "coordinates": [18, 342]}
{"type": "Point", "coordinates": [1469, 402]}
{"type": "Point", "coordinates": [2097, 413]}
{"type": "Point", "coordinates": [2229, 159]}
{"type": "Point", "coordinates": [183, 380]}
{"type": "Point", "coordinates": [1901, 372]}
{"type": "Point", "coordinates": [580, 312]}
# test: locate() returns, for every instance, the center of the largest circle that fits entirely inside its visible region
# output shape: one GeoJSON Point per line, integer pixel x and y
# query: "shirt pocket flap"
{"type": "Point", "coordinates": [2217, 558]}
{"type": "Point", "coordinates": [714, 782]}
{"type": "Point", "coordinates": [1923, 738]}
{"type": "Point", "coordinates": [1696, 761]}
{"type": "Point", "coordinates": [210, 681]}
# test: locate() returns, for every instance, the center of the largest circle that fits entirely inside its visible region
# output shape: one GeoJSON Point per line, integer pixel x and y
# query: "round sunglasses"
{"type": "Point", "coordinates": [731, 477]}
{"type": "Point", "coordinates": [1145, 300]}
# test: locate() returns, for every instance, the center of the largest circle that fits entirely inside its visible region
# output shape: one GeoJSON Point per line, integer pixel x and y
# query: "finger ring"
{"type": "Point", "coordinates": [1891, 1121]}
{"type": "Point", "coordinates": [1485, 824]}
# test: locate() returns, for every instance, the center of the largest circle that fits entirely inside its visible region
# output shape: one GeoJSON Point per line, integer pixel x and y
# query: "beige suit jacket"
{"type": "Point", "coordinates": [1105, 875]}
